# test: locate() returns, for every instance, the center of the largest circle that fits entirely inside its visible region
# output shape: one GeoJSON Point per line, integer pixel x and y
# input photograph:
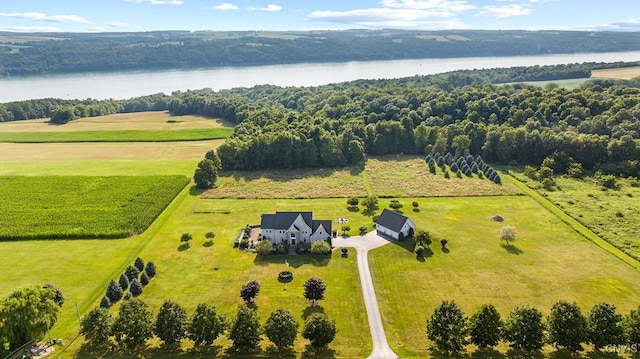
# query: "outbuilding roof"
{"type": "Point", "coordinates": [392, 220]}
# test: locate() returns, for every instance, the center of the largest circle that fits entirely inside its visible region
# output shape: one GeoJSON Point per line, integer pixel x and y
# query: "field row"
{"type": "Point", "coordinates": [388, 176]}
{"type": "Point", "coordinates": [116, 136]}
{"type": "Point", "coordinates": [83, 207]}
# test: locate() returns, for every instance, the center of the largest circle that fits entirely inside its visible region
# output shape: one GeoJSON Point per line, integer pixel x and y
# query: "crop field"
{"type": "Point", "coordinates": [83, 207]}
{"type": "Point", "coordinates": [547, 262]}
{"type": "Point", "coordinates": [387, 176]}
{"type": "Point", "coordinates": [624, 73]}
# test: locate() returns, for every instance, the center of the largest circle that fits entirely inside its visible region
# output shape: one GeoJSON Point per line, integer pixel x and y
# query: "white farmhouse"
{"type": "Point", "coordinates": [294, 227]}
{"type": "Point", "coordinates": [392, 223]}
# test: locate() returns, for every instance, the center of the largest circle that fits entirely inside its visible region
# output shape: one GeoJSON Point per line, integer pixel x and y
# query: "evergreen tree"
{"type": "Point", "coordinates": [124, 282]}
{"type": "Point", "coordinates": [136, 287]}
{"type": "Point", "coordinates": [139, 263]}
{"type": "Point", "coordinates": [114, 291]}
{"type": "Point", "coordinates": [150, 269]}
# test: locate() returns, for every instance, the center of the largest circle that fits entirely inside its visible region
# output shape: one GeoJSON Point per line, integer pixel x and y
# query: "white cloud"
{"type": "Point", "coordinates": [504, 11]}
{"type": "Point", "coordinates": [31, 29]}
{"type": "Point", "coordinates": [97, 29]}
{"type": "Point", "coordinates": [225, 6]}
{"type": "Point", "coordinates": [269, 8]}
{"type": "Point", "coordinates": [118, 24]}
{"type": "Point", "coordinates": [158, 2]}
{"type": "Point", "coordinates": [413, 14]}
{"type": "Point", "coordinates": [38, 16]}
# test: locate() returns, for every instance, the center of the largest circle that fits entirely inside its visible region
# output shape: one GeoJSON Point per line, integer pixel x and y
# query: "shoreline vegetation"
{"type": "Point", "coordinates": [20, 55]}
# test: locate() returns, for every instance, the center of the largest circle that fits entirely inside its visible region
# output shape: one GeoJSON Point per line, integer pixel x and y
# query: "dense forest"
{"type": "Point", "coordinates": [48, 53]}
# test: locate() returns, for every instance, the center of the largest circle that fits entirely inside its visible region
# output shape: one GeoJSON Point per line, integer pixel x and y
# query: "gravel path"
{"type": "Point", "coordinates": [363, 244]}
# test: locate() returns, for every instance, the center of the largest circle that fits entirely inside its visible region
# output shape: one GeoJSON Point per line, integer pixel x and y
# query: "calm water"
{"type": "Point", "coordinates": [119, 85]}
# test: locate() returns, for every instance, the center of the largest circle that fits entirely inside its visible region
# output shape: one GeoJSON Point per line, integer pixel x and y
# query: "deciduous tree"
{"type": "Point", "coordinates": [524, 328]}
{"type": "Point", "coordinates": [245, 330]}
{"type": "Point", "coordinates": [314, 289]}
{"type": "Point", "coordinates": [171, 322]}
{"type": "Point", "coordinates": [206, 325]}
{"type": "Point", "coordinates": [508, 234]}
{"type": "Point", "coordinates": [567, 326]}
{"type": "Point", "coordinates": [447, 327]}
{"type": "Point", "coordinates": [250, 291]}
{"type": "Point", "coordinates": [485, 326]}
{"type": "Point", "coordinates": [281, 328]}
{"type": "Point", "coordinates": [604, 326]}
{"type": "Point", "coordinates": [134, 324]}
{"type": "Point", "coordinates": [319, 330]}
{"type": "Point", "coordinates": [96, 325]}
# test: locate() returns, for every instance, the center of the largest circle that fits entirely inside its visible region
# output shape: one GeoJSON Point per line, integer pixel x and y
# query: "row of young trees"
{"type": "Point", "coordinates": [135, 323]}
{"type": "Point", "coordinates": [524, 329]}
{"type": "Point", "coordinates": [134, 278]}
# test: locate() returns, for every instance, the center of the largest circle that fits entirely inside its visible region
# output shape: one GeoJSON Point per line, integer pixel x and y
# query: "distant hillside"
{"type": "Point", "coordinates": [38, 53]}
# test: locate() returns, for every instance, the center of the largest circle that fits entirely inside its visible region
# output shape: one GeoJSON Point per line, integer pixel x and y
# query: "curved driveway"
{"type": "Point", "coordinates": [363, 244]}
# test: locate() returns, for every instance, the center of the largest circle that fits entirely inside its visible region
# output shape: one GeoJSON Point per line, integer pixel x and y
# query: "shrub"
{"type": "Point", "coordinates": [139, 263]}
{"type": "Point", "coordinates": [128, 296]}
{"type": "Point", "coordinates": [264, 247]}
{"type": "Point", "coordinates": [185, 238]}
{"type": "Point", "coordinates": [459, 174]}
{"type": "Point", "coordinates": [285, 276]}
{"type": "Point", "coordinates": [136, 287]}
{"type": "Point", "coordinates": [282, 248]}
{"type": "Point", "coordinates": [446, 175]}
{"type": "Point", "coordinates": [150, 269]}
{"type": "Point", "coordinates": [209, 235]}
{"type": "Point", "coordinates": [320, 247]}
{"type": "Point", "coordinates": [419, 251]}
{"type": "Point", "coordinates": [353, 202]}
{"type": "Point", "coordinates": [243, 243]}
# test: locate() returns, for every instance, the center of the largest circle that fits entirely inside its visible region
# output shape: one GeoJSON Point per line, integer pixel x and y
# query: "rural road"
{"type": "Point", "coordinates": [363, 244]}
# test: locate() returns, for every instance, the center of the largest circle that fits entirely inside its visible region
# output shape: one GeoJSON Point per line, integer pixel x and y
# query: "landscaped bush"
{"type": "Point", "coordinates": [244, 243]}
{"type": "Point", "coordinates": [320, 247]}
{"type": "Point", "coordinates": [285, 276]}
{"type": "Point", "coordinates": [419, 251]}
{"type": "Point", "coordinates": [264, 247]}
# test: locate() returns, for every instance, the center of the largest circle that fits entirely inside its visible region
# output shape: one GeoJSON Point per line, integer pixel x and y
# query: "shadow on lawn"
{"type": "Point", "coordinates": [312, 310]}
{"type": "Point", "coordinates": [512, 249]}
{"type": "Point", "coordinates": [295, 261]}
{"type": "Point", "coordinates": [312, 352]}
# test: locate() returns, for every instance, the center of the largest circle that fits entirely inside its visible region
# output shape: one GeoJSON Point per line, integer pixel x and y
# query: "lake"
{"type": "Point", "coordinates": [121, 85]}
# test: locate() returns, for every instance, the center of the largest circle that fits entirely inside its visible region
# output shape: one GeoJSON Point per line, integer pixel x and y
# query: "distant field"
{"type": "Point", "coordinates": [569, 83]}
{"type": "Point", "coordinates": [116, 136]}
{"type": "Point", "coordinates": [144, 121]}
{"type": "Point", "coordinates": [388, 176]}
{"type": "Point", "coordinates": [625, 73]}
{"type": "Point", "coordinates": [83, 207]}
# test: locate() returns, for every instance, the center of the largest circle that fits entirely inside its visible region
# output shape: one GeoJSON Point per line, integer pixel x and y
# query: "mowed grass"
{"type": "Point", "coordinates": [68, 207]}
{"type": "Point", "coordinates": [612, 214]}
{"type": "Point", "coordinates": [547, 262]}
{"type": "Point", "coordinates": [387, 176]}
{"type": "Point", "coordinates": [205, 273]}
{"type": "Point", "coordinates": [116, 136]}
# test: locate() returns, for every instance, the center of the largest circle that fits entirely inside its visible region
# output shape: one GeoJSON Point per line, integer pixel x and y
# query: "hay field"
{"type": "Point", "coordinates": [624, 73]}
{"type": "Point", "coordinates": [141, 121]}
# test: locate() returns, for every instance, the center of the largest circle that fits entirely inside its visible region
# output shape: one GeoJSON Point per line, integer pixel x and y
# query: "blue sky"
{"type": "Point", "coordinates": [147, 15]}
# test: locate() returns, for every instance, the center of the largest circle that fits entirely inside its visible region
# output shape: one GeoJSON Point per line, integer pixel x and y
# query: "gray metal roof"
{"type": "Point", "coordinates": [392, 220]}
{"type": "Point", "coordinates": [284, 220]}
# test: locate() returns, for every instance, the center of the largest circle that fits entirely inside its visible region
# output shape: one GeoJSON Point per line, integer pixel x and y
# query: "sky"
{"type": "Point", "coordinates": [236, 15]}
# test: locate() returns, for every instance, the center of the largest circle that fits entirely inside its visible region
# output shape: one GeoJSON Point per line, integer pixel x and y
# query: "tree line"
{"type": "Point", "coordinates": [596, 125]}
{"type": "Point", "coordinates": [90, 52]}
{"type": "Point", "coordinates": [524, 329]}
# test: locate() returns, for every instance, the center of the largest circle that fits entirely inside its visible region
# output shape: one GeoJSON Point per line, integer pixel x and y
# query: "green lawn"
{"type": "Point", "coordinates": [67, 207]}
{"type": "Point", "coordinates": [99, 168]}
{"type": "Point", "coordinates": [547, 262]}
{"type": "Point", "coordinates": [117, 136]}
